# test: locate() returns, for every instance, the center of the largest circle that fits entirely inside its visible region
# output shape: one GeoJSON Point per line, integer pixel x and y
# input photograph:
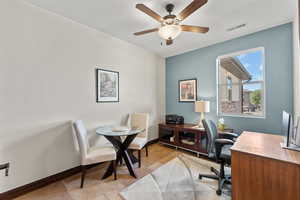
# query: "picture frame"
{"type": "Point", "coordinates": [187, 90]}
{"type": "Point", "coordinates": [107, 86]}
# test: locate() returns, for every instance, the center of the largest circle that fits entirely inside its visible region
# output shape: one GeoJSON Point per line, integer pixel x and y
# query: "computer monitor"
{"type": "Point", "coordinates": [286, 126]}
{"type": "Point", "coordinates": [296, 136]}
{"type": "Point", "coordinates": [292, 140]}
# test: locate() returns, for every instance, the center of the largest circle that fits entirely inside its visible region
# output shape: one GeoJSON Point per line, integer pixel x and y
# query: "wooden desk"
{"type": "Point", "coordinates": [262, 170]}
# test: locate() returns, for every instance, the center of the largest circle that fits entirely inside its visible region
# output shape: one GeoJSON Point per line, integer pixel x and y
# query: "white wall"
{"type": "Point", "coordinates": [296, 66]}
{"type": "Point", "coordinates": [47, 78]}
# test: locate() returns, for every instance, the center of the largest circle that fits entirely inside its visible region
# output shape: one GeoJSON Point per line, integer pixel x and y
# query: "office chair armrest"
{"type": "Point", "coordinates": [227, 135]}
{"type": "Point", "coordinates": [220, 143]}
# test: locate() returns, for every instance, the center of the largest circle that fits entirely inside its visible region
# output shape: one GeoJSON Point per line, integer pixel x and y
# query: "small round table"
{"type": "Point", "coordinates": [115, 138]}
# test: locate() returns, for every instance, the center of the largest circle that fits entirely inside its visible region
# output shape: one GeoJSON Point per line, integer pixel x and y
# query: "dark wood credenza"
{"type": "Point", "coordinates": [184, 136]}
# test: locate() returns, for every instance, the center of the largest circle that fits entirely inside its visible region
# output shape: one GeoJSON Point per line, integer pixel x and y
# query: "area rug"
{"type": "Point", "coordinates": [177, 179]}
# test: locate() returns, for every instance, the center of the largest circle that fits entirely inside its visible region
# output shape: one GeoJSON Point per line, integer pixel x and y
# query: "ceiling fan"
{"type": "Point", "coordinates": [170, 26]}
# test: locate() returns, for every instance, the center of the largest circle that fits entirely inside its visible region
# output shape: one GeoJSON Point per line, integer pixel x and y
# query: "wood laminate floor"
{"type": "Point", "coordinates": [108, 189]}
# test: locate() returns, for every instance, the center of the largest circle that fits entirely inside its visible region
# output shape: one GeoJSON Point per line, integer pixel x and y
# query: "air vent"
{"type": "Point", "coordinates": [236, 27]}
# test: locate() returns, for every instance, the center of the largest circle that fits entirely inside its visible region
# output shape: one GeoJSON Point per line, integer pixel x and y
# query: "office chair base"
{"type": "Point", "coordinates": [208, 176]}
{"type": "Point", "coordinates": [221, 177]}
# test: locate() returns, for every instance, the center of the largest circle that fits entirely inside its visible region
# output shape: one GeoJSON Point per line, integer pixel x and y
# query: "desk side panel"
{"type": "Point", "coordinates": [259, 178]}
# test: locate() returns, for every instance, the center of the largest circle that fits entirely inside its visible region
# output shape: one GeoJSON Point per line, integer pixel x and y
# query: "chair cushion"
{"type": "Point", "coordinates": [99, 154]}
{"type": "Point", "coordinates": [226, 153]}
{"type": "Point", "coordinates": [138, 143]}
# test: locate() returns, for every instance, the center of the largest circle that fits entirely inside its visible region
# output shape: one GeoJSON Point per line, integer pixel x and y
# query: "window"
{"type": "Point", "coordinates": [241, 90]}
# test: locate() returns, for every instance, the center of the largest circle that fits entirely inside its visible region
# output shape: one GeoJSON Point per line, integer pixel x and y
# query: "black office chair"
{"type": "Point", "coordinates": [218, 148]}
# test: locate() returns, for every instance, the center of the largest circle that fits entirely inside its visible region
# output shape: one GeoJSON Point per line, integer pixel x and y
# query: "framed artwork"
{"type": "Point", "coordinates": [187, 90]}
{"type": "Point", "coordinates": [107, 86]}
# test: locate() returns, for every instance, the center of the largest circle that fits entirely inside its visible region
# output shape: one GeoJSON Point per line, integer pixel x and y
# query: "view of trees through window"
{"type": "Point", "coordinates": [241, 83]}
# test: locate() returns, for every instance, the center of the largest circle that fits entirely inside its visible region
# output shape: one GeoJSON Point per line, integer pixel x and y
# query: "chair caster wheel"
{"type": "Point", "coordinates": [219, 192]}
{"type": "Point", "coordinates": [200, 177]}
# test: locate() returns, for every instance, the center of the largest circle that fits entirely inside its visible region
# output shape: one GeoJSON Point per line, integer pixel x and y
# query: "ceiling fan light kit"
{"type": "Point", "coordinates": [168, 32]}
{"type": "Point", "coordinates": [170, 26]}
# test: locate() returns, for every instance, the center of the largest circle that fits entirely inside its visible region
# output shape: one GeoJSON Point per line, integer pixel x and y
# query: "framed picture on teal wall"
{"type": "Point", "coordinates": [187, 90]}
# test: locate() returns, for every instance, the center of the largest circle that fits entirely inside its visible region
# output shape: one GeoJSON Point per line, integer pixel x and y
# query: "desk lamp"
{"type": "Point", "coordinates": [201, 107]}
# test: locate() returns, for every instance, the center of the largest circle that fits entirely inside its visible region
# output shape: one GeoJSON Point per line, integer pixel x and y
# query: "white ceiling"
{"type": "Point", "coordinates": [119, 18]}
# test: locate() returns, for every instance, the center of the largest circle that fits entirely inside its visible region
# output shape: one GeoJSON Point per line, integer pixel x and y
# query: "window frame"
{"type": "Point", "coordinates": [264, 89]}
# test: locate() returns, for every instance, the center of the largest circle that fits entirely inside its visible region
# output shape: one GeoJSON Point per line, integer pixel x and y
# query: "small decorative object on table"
{"type": "Point", "coordinates": [221, 124]}
{"type": "Point", "coordinates": [120, 129]}
{"type": "Point", "coordinates": [223, 128]}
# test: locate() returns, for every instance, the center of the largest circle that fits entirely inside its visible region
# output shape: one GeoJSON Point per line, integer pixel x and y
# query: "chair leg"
{"type": "Point", "coordinates": [215, 171]}
{"type": "Point", "coordinates": [222, 170]}
{"type": "Point", "coordinates": [139, 155]}
{"type": "Point", "coordinates": [215, 177]}
{"type": "Point", "coordinates": [222, 179]}
{"type": "Point", "coordinates": [220, 186]}
{"type": "Point", "coordinates": [115, 169]}
{"type": "Point", "coordinates": [83, 171]}
{"type": "Point", "coordinates": [210, 176]}
{"type": "Point", "coordinates": [146, 150]}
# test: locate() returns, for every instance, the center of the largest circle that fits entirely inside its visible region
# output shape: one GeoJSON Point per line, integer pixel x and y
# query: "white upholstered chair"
{"type": "Point", "coordinates": [139, 120]}
{"type": "Point", "coordinates": [92, 155]}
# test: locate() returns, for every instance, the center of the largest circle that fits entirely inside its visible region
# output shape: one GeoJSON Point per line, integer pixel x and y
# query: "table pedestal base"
{"type": "Point", "coordinates": [122, 153]}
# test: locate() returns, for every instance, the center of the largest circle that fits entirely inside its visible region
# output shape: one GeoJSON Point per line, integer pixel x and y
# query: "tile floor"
{"type": "Point", "coordinates": [97, 189]}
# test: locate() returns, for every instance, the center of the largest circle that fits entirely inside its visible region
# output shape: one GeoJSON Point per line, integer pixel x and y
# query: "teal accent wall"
{"type": "Point", "coordinates": [201, 64]}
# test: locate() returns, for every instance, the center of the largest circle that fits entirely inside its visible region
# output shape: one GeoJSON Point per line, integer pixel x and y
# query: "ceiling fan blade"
{"type": "Point", "coordinates": [146, 31]}
{"type": "Point", "coordinates": [192, 7]}
{"type": "Point", "coordinates": [194, 29]}
{"type": "Point", "coordinates": [169, 42]}
{"type": "Point", "coordinates": [149, 12]}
